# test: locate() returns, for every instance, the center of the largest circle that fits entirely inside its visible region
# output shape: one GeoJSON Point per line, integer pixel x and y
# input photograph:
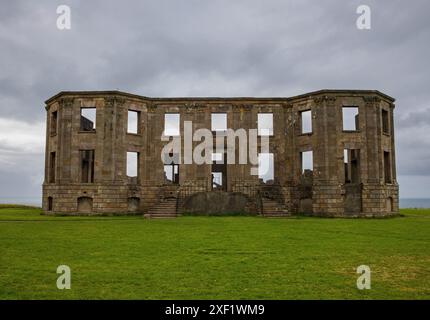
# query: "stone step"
{"type": "Point", "coordinates": [272, 208]}
{"type": "Point", "coordinates": [160, 215]}
{"type": "Point", "coordinates": [271, 215]}
{"type": "Point", "coordinates": [164, 209]}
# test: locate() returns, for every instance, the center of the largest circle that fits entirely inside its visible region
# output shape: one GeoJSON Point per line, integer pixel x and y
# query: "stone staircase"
{"type": "Point", "coordinates": [272, 208]}
{"type": "Point", "coordinates": [166, 208]}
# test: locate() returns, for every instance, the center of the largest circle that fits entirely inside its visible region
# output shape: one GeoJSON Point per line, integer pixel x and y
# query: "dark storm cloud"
{"type": "Point", "coordinates": [220, 48]}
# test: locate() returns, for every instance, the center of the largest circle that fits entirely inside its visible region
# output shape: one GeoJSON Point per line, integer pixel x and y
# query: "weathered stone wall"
{"type": "Point", "coordinates": [325, 193]}
{"type": "Point", "coordinates": [219, 203]}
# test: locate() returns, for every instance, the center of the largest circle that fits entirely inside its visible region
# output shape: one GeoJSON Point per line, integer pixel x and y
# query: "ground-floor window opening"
{"type": "Point", "coordinates": [219, 171]}
{"type": "Point", "coordinates": [307, 162]}
{"type": "Point", "coordinates": [50, 203]}
{"type": "Point", "coordinates": [266, 170]}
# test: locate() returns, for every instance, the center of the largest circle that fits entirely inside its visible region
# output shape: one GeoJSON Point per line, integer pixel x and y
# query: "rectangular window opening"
{"type": "Point", "coordinates": [219, 170]}
{"type": "Point", "coordinates": [385, 122]}
{"type": "Point", "coordinates": [387, 167]}
{"type": "Point", "coordinates": [265, 124]}
{"type": "Point", "coordinates": [88, 119]}
{"type": "Point", "coordinates": [133, 120]}
{"type": "Point", "coordinates": [217, 180]}
{"type": "Point", "coordinates": [266, 170]}
{"type": "Point", "coordinates": [133, 165]}
{"type": "Point", "coordinates": [217, 157]}
{"type": "Point", "coordinates": [351, 160]}
{"type": "Point", "coordinates": [87, 166]}
{"type": "Point", "coordinates": [350, 118]}
{"type": "Point", "coordinates": [171, 167]}
{"type": "Point", "coordinates": [171, 124]}
{"type": "Point", "coordinates": [171, 173]}
{"type": "Point", "coordinates": [307, 162]}
{"type": "Point", "coordinates": [54, 121]}
{"type": "Point", "coordinates": [52, 167]}
{"type": "Point", "coordinates": [306, 121]}
{"type": "Point", "coordinates": [219, 122]}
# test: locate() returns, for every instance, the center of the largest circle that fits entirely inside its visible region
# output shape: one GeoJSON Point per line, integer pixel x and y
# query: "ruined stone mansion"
{"type": "Point", "coordinates": [330, 153]}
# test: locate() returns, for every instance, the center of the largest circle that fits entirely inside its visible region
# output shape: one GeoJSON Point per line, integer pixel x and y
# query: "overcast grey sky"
{"type": "Point", "coordinates": [210, 48]}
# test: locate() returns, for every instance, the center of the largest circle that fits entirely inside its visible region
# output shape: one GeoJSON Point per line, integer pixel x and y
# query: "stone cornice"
{"type": "Point", "coordinates": [230, 100]}
{"type": "Point", "coordinates": [321, 99]}
{"type": "Point", "coordinates": [371, 99]}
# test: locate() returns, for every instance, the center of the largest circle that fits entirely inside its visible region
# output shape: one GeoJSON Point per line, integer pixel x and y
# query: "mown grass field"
{"type": "Point", "coordinates": [213, 257]}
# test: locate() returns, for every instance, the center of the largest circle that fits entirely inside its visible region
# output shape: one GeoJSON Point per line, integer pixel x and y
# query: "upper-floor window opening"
{"type": "Point", "coordinates": [219, 122]}
{"type": "Point", "coordinates": [218, 157]}
{"type": "Point", "coordinates": [54, 122]}
{"type": "Point", "coordinates": [385, 122]}
{"type": "Point", "coordinates": [88, 119]}
{"type": "Point", "coordinates": [350, 118]}
{"type": "Point", "coordinates": [133, 121]}
{"type": "Point", "coordinates": [306, 121]}
{"type": "Point", "coordinates": [265, 124]}
{"type": "Point", "coordinates": [171, 124]}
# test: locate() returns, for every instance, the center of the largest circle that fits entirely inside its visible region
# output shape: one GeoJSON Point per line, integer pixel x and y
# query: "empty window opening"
{"type": "Point", "coordinates": [50, 203]}
{"type": "Point", "coordinates": [87, 166]}
{"type": "Point", "coordinates": [88, 119]}
{"type": "Point", "coordinates": [265, 124]}
{"type": "Point", "coordinates": [387, 167]}
{"type": "Point", "coordinates": [385, 122]}
{"type": "Point", "coordinates": [171, 168]}
{"type": "Point", "coordinates": [52, 167]}
{"type": "Point", "coordinates": [351, 159]}
{"type": "Point", "coordinates": [219, 171]}
{"type": "Point", "coordinates": [350, 118]}
{"type": "Point", "coordinates": [132, 164]}
{"type": "Point", "coordinates": [219, 122]}
{"type": "Point", "coordinates": [54, 121]}
{"type": "Point", "coordinates": [133, 119]}
{"type": "Point", "coordinates": [171, 124]}
{"type": "Point", "coordinates": [171, 173]}
{"type": "Point", "coordinates": [85, 204]}
{"type": "Point", "coordinates": [217, 157]}
{"type": "Point", "coordinates": [306, 121]}
{"type": "Point", "coordinates": [266, 170]}
{"type": "Point", "coordinates": [307, 161]}
{"type": "Point", "coordinates": [217, 180]}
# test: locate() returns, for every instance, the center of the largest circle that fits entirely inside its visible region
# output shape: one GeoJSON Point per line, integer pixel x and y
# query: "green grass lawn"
{"type": "Point", "coordinates": [213, 257]}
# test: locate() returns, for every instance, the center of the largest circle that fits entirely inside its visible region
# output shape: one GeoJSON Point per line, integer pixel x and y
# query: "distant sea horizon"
{"type": "Point", "coordinates": [421, 203]}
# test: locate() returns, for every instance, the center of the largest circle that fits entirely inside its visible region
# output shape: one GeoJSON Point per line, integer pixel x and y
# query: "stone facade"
{"type": "Point", "coordinates": [353, 173]}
